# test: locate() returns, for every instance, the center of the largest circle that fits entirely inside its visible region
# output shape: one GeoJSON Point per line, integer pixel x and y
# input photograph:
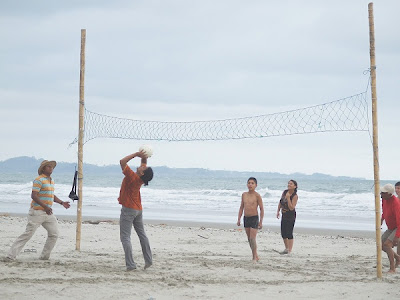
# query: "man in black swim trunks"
{"type": "Point", "coordinates": [251, 201]}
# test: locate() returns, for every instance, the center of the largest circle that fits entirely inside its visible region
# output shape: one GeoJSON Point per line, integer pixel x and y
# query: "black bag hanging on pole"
{"type": "Point", "coordinates": [72, 194]}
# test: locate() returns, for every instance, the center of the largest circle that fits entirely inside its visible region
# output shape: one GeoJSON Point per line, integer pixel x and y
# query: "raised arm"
{"type": "Point", "coordinates": [123, 162]}
{"type": "Point", "coordinates": [292, 203]}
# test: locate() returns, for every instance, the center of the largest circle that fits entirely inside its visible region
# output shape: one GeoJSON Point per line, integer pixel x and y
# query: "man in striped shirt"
{"type": "Point", "coordinates": [41, 212]}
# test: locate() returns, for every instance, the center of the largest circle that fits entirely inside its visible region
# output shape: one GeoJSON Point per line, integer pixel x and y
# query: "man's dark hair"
{"type": "Point", "coordinates": [252, 178]}
{"type": "Point", "coordinates": [397, 184]}
{"type": "Point", "coordinates": [147, 176]}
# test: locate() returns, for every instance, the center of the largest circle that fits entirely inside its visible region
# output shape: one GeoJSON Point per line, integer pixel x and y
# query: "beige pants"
{"type": "Point", "coordinates": [35, 219]}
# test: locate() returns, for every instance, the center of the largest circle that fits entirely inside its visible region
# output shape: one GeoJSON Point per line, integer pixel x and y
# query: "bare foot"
{"type": "Point", "coordinates": [392, 271]}
{"type": "Point", "coordinates": [147, 265]}
{"type": "Point", "coordinates": [397, 257]}
{"type": "Point", "coordinates": [7, 259]}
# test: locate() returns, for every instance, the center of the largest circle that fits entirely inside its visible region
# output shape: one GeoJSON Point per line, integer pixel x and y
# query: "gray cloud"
{"type": "Point", "coordinates": [177, 60]}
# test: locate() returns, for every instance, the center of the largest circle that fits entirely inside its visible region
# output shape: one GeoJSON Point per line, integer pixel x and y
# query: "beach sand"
{"type": "Point", "coordinates": [191, 261]}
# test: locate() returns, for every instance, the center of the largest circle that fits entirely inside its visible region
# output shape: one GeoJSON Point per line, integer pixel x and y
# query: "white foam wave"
{"type": "Point", "coordinates": [198, 203]}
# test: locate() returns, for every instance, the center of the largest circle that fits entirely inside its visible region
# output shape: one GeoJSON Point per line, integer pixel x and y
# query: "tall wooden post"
{"type": "Point", "coordinates": [80, 140]}
{"type": "Point", "coordinates": [375, 140]}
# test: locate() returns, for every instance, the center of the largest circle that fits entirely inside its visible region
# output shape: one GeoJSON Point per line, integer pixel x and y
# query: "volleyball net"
{"type": "Point", "coordinates": [347, 114]}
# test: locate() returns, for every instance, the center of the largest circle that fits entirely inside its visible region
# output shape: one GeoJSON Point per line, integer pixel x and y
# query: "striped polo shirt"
{"type": "Point", "coordinates": [45, 186]}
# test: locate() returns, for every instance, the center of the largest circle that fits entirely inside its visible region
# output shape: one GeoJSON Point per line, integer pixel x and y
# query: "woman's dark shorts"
{"type": "Point", "coordinates": [287, 226]}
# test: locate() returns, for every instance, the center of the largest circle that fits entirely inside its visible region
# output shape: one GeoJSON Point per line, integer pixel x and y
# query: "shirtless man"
{"type": "Point", "coordinates": [251, 200]}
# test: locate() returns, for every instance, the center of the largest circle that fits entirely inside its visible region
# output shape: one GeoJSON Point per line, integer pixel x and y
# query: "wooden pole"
{"type": "Point", "coordinates": [375, 140]}
{"type": "Point", "coordinates": [80, 140]}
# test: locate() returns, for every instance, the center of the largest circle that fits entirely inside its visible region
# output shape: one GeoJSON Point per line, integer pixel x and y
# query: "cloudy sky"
{"type": "Point", "coordinates": [177, 60]}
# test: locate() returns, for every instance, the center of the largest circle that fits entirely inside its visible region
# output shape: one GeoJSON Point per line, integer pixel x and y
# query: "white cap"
{"type": "Point", "coordinates": [388, 188]}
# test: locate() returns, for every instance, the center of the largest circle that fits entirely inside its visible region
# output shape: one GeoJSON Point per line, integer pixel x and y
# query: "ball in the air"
{"type": "Point", "coordinates": [147, 149]}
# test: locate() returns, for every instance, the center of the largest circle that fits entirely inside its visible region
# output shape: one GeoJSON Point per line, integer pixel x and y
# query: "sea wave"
{"type": "Point", "coordinates": [206, 201]}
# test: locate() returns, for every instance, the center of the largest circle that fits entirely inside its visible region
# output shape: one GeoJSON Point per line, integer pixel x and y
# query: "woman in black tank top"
{"type": "Point", "coordinates": [287, 204]}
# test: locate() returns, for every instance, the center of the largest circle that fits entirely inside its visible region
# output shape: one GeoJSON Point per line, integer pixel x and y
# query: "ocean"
{"type": "Point", "coordinates": [330, 204]}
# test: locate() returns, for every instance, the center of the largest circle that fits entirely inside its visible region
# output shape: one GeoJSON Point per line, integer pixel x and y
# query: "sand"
{"type": "Point", "coordinates": [192, 262]}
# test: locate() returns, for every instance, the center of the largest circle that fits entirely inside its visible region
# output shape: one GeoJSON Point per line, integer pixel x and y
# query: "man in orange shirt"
{"type": "Point", "coordinates": [132, 211]}
{"type": "Point", "coordinates": [397, 190]}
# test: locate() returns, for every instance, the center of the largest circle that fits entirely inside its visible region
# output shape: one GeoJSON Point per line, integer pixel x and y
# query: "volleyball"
{"type": "Point", "coordinates": [147, 149]}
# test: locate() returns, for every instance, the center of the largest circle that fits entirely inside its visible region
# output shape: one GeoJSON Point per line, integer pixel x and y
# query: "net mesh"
{"type": "Point", "coordinates": [347, 114]}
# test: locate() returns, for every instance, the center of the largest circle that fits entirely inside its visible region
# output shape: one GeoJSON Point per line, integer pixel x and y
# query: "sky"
{"type": "Point", "coordinates": [176, 60]}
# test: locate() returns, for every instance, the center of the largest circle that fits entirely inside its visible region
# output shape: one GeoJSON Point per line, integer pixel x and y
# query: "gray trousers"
{"type": "Point", "coordinates": [128, 218]}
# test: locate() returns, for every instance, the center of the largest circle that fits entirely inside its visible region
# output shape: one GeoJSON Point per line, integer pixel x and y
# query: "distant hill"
{"type": "Point", "coordinates": [25, 164]}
